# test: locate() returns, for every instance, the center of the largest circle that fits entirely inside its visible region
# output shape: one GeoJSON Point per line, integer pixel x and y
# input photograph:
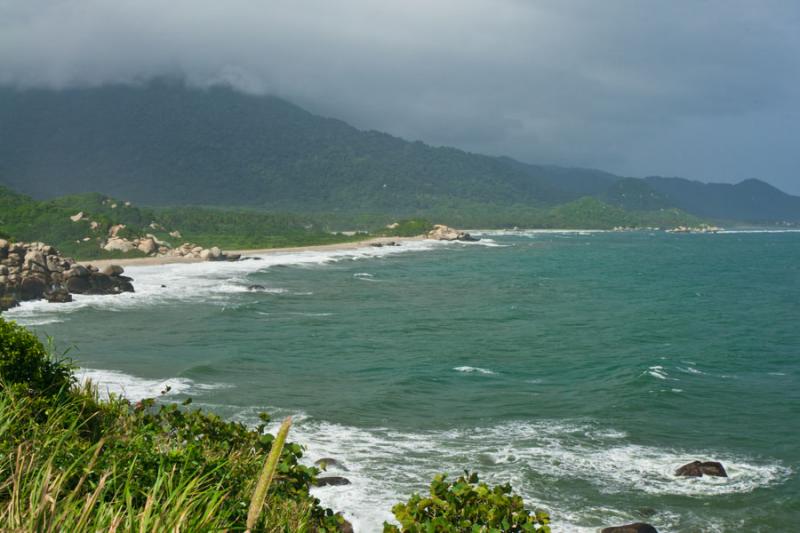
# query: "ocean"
{"type": "Point", "coordinates": [582, 367]}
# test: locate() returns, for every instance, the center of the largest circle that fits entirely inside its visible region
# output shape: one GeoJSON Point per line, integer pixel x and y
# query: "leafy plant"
{"type": "Point", "coordinates": [25, 361]}
{"type": "Point", "coordinates": [466, 505]}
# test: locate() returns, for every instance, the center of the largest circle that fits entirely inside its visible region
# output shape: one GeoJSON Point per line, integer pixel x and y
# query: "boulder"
{"type": "Point", "coordinates": [215, 252]}
{"type": "Point", "coordinates": [175, 234]}
{"type": "Point", "coordinates": [205, 255]}
{"type": "Point", "coordinates": [257, 288]}
{"type": "Point", "coordinates": [58, 295]}
{"type": "Point", "coordinates": [118, 243]}
{"type": "Point", "coordinates": [77, 218]}
{"type": "Point", "coordinates": [233, 257]}
{"type": "Point", "coordinates": [78, 271]}
{"type": "Point", "coordinates": [638, 527]}
{"type": "Point", "coordinates": [331, 481]}
{"type": "Point", "coordinates": [345, 527]}
{"type": "Point", "coordinates": [32, 288]}
{"type": "Point", "coordinates": [7, 301]}
{"type": "Point", "coordinates": [148, 246]}
{"type": "Point", "coordinates": [35, 261]}
{"type": "Point", "coordinates": [114, 230]}
{"type": "Point", "coordinates": [702, 468]}
{"type": "Point", "coordinates": [100, 283]}
{"type": "Point", "coordinates": [3, 270]}
{"type": "Point", "coordinates": [79, 284]}
{"type": "Point", "coordinates": [113, 270]}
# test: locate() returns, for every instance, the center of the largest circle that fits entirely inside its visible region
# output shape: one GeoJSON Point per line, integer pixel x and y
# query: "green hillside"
{"type": "Point", "coordinates": [26, 219]}
{"type": "Point", "coordinates": [165, 144]}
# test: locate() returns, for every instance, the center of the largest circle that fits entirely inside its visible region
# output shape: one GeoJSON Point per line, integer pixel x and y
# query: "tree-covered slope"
{"type": "Point", "coordinates": [164, 143]}
{"type": "Point", "coordinates": [26, 219]}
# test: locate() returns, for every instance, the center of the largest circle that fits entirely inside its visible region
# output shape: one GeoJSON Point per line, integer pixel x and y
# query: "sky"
{"type": "Point", "coordinates": [708, 90]}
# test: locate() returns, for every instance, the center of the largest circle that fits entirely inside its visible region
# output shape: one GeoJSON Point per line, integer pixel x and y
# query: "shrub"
{"type": "Point", "coordinates": [25, 361]}
{"type": "Point", "coordinates": [408, 228]}
{"type": "Point", "coordinates": [466, 506]}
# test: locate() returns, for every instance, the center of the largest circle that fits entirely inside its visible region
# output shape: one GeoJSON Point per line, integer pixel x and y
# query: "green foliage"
{"type": "Point", "coordinates": [466, 505]}
{"type": "Point", "coordinates": [75, 463]}
{"type": "Point", "coordinates": [25, 362]}
{"type": "Point", "coordinates": [408, 228]}
{"type": "Point", "coordinates": [48, 221]}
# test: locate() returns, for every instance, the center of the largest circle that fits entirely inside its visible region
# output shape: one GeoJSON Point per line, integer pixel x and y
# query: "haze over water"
{"type": "Point", "coordinates": [581, 367]}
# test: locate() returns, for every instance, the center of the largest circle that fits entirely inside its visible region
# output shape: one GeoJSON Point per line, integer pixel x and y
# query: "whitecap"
{"type": "Point", "coordinates": [386, 465]}
{"type": "Point", "coordinates": [471, 369]}
{"type": "Point", "coordinates": [136, 388]}
{"type": "Point", "coordinates": [658, 371]}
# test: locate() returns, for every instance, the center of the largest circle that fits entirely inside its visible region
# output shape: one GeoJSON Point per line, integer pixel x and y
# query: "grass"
{"type": "Point", "coordinates": [72, 462]}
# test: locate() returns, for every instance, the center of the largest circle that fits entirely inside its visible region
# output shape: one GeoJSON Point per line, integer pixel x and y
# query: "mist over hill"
{"type": "Point", "coordinates": [163, 143]}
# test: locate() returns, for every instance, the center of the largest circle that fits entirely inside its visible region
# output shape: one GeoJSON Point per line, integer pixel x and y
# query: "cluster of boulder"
{"type": "Point", "coordinates": [153, 246]}
{"type": "Point", "coordinates": [190, 250]}
{"type": "Point", "coordinates": [32, 271]}
{"type": "Point", "coordinates": [440, 232]}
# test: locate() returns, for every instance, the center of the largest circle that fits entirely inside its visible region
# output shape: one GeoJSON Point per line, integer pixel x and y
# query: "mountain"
{"type": "Point", "coordinates": [751, 200]}
{"type": "Point", "coordinates": [164, 143]}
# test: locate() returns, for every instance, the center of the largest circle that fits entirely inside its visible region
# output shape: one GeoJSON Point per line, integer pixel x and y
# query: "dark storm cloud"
{"type": "Point", "coordinates": [705, 89]}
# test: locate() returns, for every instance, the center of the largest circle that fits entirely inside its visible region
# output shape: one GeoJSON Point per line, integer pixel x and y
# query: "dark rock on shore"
{"type": "Point", "coordinates": [58, 295]}
{"type": "Point", "coordinates": [32, 271]}
{"type": "Point", "coordinates": [702, 468]}
{"type": "Point", "coordinates": [331, 481]}
{"type": "Point", "coordinates": [638, 527]}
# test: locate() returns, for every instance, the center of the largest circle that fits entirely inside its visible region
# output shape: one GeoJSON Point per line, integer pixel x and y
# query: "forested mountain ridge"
{"type": "Point", "coordinates": [167, 144]}
{"type": "Point", "coordinates": [164, 143]}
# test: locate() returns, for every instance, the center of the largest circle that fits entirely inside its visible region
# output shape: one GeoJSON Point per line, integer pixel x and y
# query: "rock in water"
{"type": "Point", "coordinates": [331, 481]}
{"type": "Point", "coordinates": [702, 468]}
{"type": "Point", "coordinates": [638, 527]}
{"type": "Point", "coordinates": [58, 295]}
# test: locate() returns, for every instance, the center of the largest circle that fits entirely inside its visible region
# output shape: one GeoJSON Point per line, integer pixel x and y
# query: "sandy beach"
{"type": "Point", "coordinates": [166, 259]}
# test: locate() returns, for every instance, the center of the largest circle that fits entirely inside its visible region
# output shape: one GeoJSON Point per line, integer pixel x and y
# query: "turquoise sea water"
{"type": "Point", "coordinates": [581, 367]}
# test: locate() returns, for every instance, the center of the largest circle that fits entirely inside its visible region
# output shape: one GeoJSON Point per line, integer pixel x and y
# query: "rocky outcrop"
{"type": "Point", "coordinates": [702, 468]}
{"type": "Point", "coordinates": [638, 527]}
{"type": "Point", "coordinates": [190, 250]}
{"type": "Point", "coordinates": [440, 232]}
{"type": "Point", "coordinates": [32, 271]}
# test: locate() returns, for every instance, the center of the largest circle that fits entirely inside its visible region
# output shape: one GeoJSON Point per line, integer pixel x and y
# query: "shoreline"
{"type": "Point", "coordinates": [166, 259]}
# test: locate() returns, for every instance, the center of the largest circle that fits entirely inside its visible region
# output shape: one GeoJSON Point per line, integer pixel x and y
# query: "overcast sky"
{"type": "Point", "coordinates": [702, 89]}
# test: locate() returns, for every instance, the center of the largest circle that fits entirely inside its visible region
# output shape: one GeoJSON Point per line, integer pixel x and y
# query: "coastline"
{"type": "Point", "coordinates": [165, 260]}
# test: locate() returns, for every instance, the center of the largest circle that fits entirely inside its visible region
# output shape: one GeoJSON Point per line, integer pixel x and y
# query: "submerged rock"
{"type": "Point", "coordinates": [702, 468]}
{"type": "Point", "coordinates": [331, 481]}
{"type": "Point", "coordinates": [326, 462]}
{"type": "Point", "coordinates": [638, 527]}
